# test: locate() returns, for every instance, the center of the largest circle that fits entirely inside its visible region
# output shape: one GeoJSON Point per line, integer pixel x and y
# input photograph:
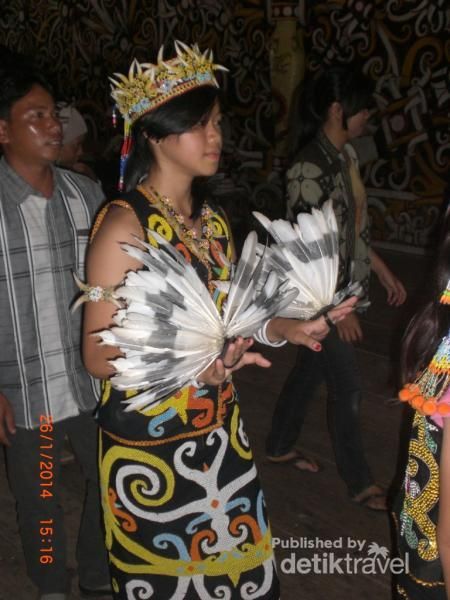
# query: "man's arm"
{"type": "Point", "coordinates": [7, 421]}
{"type": "Point", "coordinates": [396, 293]}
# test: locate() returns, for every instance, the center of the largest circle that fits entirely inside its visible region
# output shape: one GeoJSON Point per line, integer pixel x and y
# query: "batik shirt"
{"type": "Point", "coordinates": [320, 172]}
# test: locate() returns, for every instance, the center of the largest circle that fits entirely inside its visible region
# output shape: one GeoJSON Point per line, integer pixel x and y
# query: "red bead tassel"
{"type": "Point", "coordinates": [124, 153]}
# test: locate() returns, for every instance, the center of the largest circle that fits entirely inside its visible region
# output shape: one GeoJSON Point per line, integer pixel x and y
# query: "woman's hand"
{"type": "Point", "coordinates": [236, 357]}
{"type": "Point", "coordinates": [309, 333]}
{"type": "Point", "coordinates": [342, 310]}
{"type": "Point", "coordinates": [306, 333]}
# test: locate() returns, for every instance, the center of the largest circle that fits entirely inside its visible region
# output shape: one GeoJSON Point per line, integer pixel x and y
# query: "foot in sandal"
{"type": "Point", "coordinates": [372, 497]}
{"type": "Point", "coordinates": [297, 460]}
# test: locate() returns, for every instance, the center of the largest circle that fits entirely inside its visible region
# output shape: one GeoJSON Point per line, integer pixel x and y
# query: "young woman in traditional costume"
{"type": "Point", "coordinates": [422, 509]}
{"type": "Point", "coordinates": [183, 508]}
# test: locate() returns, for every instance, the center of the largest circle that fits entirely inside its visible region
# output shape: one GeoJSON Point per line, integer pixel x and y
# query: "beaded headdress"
{"type": "Point", "coordinates": [445, 296]}
{"type": "Point", "coordinates": [151, 85]}
{"type": "Point", "coordinates": [429, 394]}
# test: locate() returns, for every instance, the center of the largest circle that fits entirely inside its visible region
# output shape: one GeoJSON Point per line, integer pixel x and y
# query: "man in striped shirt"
{"type": "Point", "coordinates": [45, 392]}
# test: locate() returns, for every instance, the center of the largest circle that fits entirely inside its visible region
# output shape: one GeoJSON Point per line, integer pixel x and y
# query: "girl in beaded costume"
{"type": "Point", "coordinates": [183, 509]}
{"type": "Point", "coordinates": [422, 509]}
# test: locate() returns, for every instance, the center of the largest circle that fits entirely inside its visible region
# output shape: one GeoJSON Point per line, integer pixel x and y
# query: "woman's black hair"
{"type": "Point", "coordinates": [17, 78]}
{"type": "Point", "coordinates": [174, 117]}
{"type": "Point", "coordinates": [430, 324]}
{"type": "Point", "coordinates": [348, 86]}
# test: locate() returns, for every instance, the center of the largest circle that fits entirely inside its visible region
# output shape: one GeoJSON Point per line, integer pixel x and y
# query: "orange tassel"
{"type": "Point", "coordinates": [428, 407]}
{"type": "Point", "coordinates": [417, 401]}
{"type": "Point", "coordinates": [407, 393]}
{"type": "Point", "coordinates": [404, 394]}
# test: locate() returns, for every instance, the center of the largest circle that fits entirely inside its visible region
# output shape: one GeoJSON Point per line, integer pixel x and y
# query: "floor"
{"type": "Point", "coordinates": [319, 532]}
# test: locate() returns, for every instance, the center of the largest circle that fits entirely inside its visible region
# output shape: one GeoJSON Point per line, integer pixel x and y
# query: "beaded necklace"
{"type": "Point", "coordinates": [198, 246]}
{"type": "Point", "coordinates": [427, 393]}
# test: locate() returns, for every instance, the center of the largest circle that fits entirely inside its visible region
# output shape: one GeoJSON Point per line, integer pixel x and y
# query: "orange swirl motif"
{"type": "Point", "coordinates": [184, 251]}
{"type": "Point", "coordinates": [128, 523]}
{"type": "Point", "coordinates": [209, 535]}
{"type": "Point", "coordinates": [227, 394]}
{"type": "Point", "coordinates": [250, 522]}
{"type": "Point", "coordinates": [206, 405]}
{"type": "Point", "coordinates": [217, 252]}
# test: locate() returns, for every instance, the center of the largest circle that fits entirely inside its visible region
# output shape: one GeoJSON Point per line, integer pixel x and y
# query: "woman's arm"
{"type": "Point", "coordinates": [107, 265]}
{"type": "Point", "coordinates": [443, 526]}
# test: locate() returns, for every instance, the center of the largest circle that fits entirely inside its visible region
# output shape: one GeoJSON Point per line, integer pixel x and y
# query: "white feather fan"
{"type": "Point", "coordinates": [306, 253]}
{"type": "Point", "coordinates": [171, 330]}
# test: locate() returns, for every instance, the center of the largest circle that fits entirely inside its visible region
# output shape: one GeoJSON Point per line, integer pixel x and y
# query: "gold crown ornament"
{"type": "Point", "coordinates": [151, 85]}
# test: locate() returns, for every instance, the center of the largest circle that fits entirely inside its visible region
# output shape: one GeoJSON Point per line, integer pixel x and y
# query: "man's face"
{"type": "Point", "coordinates": [356, 125]}
{"type": "Point", "coordinates": [32, 134]}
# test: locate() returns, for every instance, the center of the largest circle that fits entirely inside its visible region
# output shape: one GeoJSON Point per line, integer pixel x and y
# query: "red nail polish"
{"type": "Point", "coordinates": [317, 347]}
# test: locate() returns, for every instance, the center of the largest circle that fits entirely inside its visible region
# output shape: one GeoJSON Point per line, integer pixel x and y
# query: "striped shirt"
{"type": "Point", "coordinates": [42, 241]}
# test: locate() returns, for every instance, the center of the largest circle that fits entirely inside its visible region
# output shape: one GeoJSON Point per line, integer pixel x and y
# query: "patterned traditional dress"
{"type": "Point", "coordinates": [417, 509]}
{"type": "Point", "coordinates": [183, 509]}
{"type": "Point", "coordinates": [416, 514]}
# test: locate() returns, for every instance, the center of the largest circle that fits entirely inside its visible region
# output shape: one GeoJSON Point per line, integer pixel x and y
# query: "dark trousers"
{"type": "Point", "coordinates": [337, 364]}
{"type": "Point", "coordinates": [27, 469]}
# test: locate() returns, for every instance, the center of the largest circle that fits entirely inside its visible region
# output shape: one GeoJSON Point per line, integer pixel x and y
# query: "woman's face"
{"type": "Point", "coordinates": [197, 151]}
{"type": "Point", "coordinates": [356, 124]}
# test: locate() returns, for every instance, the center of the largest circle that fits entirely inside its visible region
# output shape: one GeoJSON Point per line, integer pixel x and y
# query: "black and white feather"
{"type": "Point", "coordinates": [171, 329]}
{"type": "Point", "coordinates": [306, 253]}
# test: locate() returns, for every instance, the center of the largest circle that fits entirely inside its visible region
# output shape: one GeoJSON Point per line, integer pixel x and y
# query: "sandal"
{"type": "Point", "coordinates": [297, 460]}
{"type": "Point", "coordinates": [373, 498]}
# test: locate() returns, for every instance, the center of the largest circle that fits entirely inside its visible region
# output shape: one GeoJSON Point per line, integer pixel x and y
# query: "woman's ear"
{"type": "Point", "coordinates": [153, 141]}
{"type": "Point", "coordinates": [336, 112]}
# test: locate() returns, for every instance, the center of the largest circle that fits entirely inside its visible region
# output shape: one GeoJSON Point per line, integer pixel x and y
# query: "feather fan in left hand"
{"type": "Point", "coordinates": [171, 330]}
{"type": "Point", "coordinates": [306, 253]}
